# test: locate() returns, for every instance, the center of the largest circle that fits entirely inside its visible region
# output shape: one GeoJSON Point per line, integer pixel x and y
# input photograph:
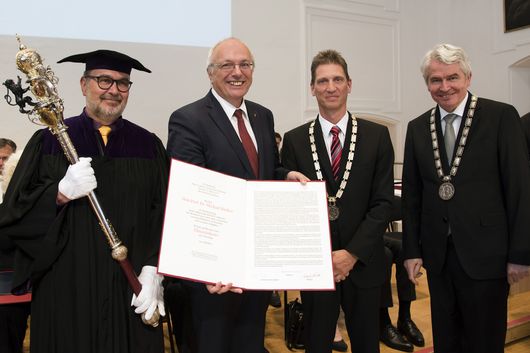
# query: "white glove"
{"type": "Point", "coordinates": [152, 294]}
{"type": "Point", "coordinates": [79, 180]}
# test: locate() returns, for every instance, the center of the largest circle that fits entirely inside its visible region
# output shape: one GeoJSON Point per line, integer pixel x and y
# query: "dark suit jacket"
{"type": "Point", "coordinates": [525, 119]}
{"type": "Point", "coordinates": [366, 201]}
{"type": "Point", "coordinates": [488, 214]}
{"type": "Point", "coordinates": [200, 133]}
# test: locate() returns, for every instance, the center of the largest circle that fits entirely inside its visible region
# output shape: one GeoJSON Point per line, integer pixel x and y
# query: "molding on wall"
{"type": "Point", "coordinates": [510, 41]}
{"type": "Point", "coordinates": [386, 5]}
{"type": "Point", "coordinates": [370, 45]}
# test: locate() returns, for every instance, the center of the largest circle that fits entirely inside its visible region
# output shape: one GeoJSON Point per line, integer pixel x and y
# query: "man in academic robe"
{"type": "Point", "coordinates": [355, 158]}
{"type": "Point", "coordinates": [82, 301]}
{"type": "Point", "coordinates": [227, 133]}
{"type": "Point", "coordinates": [466, 196]}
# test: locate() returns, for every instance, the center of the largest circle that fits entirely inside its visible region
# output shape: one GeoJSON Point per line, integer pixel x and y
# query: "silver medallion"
{"type": "Point", "coordinates": [333, 212]}
{"type": "Point", "coordinates": [446, 191]}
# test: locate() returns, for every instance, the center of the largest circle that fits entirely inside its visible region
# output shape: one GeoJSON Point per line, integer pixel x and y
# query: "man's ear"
{"type": "Point", "coordinates": [83, 82]}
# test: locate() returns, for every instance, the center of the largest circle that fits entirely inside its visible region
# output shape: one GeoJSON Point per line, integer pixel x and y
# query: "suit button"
{"type": "Point", "coordinates": [444, 219]}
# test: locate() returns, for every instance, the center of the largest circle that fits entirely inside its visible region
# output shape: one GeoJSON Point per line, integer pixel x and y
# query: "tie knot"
{"type": "Point", "coordinates": [239, 114]}
{"type": "Point", "coordinates": [335, 130]}
{"type": "Point", "coordinates": [449, 118]}
{"type": "Point", "coordinates": [104, 130]}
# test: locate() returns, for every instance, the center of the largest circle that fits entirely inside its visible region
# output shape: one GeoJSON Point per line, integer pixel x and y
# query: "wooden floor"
{"type": "Point", "coordinates": [519, 311]}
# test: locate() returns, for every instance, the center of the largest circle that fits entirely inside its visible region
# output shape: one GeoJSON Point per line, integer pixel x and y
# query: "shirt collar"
{"type": "Point", "coordinates": [228, 108]}
{"type": "Point", "coordinates": [326, 125]}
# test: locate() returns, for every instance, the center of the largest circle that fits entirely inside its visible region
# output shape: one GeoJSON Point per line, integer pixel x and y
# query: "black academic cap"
{"type": "Point", "coordinates": [106, 59]}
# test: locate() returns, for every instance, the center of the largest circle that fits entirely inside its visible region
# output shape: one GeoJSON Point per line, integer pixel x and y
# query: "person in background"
{"type": "Point", "coordinates": [275, 296]}
{"type": "Point", "coordinates": [406, 335]}
{"type": "Point", "coordinates": [81, 300]}
{"type": "Point", "coordinates": [13, 316]}
{"type": "Point", "coordinates": [278, 140]}
{"type": "Point", "coordinates": [525, 119]}
{"type": "Point", "coordinates": [7, 148]}
{"type": "Point", "coordinates": [355, 158]}
{"type": "Point", "coordinates": [339, 344]}
{"type": "Point", "coordinates": [466, 196]}
{"type": "Point", "coordinates": [227, 133]}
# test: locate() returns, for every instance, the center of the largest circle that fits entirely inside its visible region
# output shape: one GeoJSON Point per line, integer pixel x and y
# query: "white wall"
{"type": "Point", "coordinates": [179, 76]}
{"type": "Point", "coordinates": [382, 40]}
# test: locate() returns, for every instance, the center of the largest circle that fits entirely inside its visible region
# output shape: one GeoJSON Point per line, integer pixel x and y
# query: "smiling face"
{"type": "Point", "coordinates": [231, 84]}
{"type": "Point", "coordinates": [447, 84]}
{"type": "Point", "coordinates": [104, 106]}
{"type": "Point", "coordinates": [331, 89]}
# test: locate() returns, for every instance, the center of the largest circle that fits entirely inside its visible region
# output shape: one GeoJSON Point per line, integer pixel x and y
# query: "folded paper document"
{"type": "Point", "coordinates": [255, 234]}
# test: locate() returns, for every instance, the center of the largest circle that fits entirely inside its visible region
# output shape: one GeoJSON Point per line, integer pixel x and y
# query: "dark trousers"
{"type": "Point", "coordinates": [393, 254]}
{"type": "Point", "coordinates": [230, 322]}
{"type": "Point", "coordinates": [361, 311]}
{"type": "Point", "coordinates": [13, 324]}
{"type": "Point", "coordinates": [178, 305]}
{"type": "Point", "coordinates": [468, 315]}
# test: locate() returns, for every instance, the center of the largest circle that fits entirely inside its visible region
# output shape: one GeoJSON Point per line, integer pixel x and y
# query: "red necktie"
{"type": "Point", "coordinates": [248, 145]}
{"type": "Point", "coordinates": [336, 151]}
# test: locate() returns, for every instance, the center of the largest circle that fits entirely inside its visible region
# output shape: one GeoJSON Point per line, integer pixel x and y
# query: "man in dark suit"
{"type": "Point", "coordinates": [466, 196]}
{"type": "Point", "coordinates": [226, 133]}
{"type": "Point", "coordinates": [355, 159]}
{"type": "Point", "coordinates": [525, 119]}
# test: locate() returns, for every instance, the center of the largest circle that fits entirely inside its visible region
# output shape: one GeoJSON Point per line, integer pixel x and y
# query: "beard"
{"type": "Point", "coordinates": [106, 114]}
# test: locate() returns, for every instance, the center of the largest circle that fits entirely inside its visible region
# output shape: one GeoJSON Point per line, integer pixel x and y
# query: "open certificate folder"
{"type": "Point", "coordinates": [254, 234]}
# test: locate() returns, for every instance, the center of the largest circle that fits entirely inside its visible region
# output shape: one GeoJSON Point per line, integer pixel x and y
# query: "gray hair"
{"type": "Point", "coordinates": [209, 63]}
{"type": "Point", "coordinates": [447, 54]}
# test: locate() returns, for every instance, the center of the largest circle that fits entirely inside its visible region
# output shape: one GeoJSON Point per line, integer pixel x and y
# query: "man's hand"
{"type": "Point", "coordinates": [343, 262]}
{"type": "Point", "coordinates": [78, 181]}
{"type": "Point", "coordinates": [413, 267]}
{"type": "Point", "coordinates": [151, 297]}
{"type": "Point", "coordinates": [220, 288]}
{"type": "Point", "coordinates": [297, 176]}
{"type": "Point", "coordinates": [516, 272]}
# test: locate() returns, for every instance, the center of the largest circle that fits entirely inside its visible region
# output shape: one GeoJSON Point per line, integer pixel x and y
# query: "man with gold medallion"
{"type": "Point", "coordinates": [355, 158]}
{"type": "Point", "coordinates": [466, 198]}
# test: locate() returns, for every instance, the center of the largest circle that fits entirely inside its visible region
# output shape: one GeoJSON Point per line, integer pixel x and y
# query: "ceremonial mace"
{"type": "Point", "coordinates": [48, 111]}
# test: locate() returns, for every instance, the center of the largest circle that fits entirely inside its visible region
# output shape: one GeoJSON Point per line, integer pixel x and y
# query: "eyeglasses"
{"type": "Point", "coordinates": [244, 66]}
{"type": "Point", "coordinates": [105, 82]}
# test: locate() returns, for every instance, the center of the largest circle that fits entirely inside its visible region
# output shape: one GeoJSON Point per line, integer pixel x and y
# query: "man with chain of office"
{"type": "Point", "coordinates": [466, 196]}
{"type": "Point", "coordinates": [355, 158]}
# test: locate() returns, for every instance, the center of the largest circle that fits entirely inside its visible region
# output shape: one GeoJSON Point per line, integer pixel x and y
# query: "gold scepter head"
{"type": "Point", "coordinates": [48, 110]}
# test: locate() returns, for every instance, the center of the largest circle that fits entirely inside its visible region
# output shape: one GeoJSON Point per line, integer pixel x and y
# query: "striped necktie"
{"type": "Point", "coordinates": [336, 151]}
